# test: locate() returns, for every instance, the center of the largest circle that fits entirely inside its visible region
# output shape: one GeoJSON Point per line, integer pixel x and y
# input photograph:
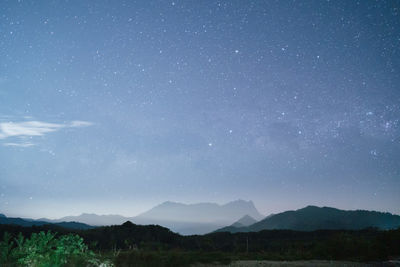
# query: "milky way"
{"type": "Point", "coordinates": [115, 106]}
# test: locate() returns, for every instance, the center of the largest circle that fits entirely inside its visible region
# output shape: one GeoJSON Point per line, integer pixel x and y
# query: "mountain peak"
{"type": "Point", "coordinates": [176, 215]}
{"type": "Point", "coordinates": [246, 217]}
{"type": "Point", "coordinates": [128, 224]}
{"type": "Point", "coordinates": [246, 220]}
{"type": "Point", "coordinates": [311, 207]}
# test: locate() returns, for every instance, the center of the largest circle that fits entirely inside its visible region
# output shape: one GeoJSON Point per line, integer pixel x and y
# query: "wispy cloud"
{"type": "Point", "coordinates": [34, 128]}
{"type": "Point", "coordinates": [80, 124]}
{"type": "Point", "coordinates": [27, 128]}
{"type": "Point", "coordinates": [19, 144]}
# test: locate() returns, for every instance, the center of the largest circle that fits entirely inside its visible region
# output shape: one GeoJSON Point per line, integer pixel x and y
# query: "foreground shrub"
{"type": "Point", "coordinates": [45, 249]}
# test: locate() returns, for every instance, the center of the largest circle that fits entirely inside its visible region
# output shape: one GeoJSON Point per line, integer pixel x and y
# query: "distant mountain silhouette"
{"type": "Point", "coordinates": [197, 218]}
{"type": "Point", "coordinates": [313, 218]}
{"type": "Point", "coordinates": [246, 220]}
{"type": "Point", "coordinates": [94, 219]}
{"type": "Point", "coordinates": [186, 219]}
{"type": "Point", "coordinates": [31, 222]}
{"type": "Point", "coordinates": [202, 212]}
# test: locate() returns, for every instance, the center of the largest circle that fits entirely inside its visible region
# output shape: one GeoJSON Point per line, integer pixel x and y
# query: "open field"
{"type": "Point", "coordinates": [309, 263]}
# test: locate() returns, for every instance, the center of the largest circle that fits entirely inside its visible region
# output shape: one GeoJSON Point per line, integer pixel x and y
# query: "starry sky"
{"type": "Point", "coordinates": [112, 107]}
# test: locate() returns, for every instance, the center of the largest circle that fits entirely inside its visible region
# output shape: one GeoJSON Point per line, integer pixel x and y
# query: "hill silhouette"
{"type": "Point", "coordinates": [246, 220]}
{"type": "Point", "coordinates": [29, 222]}
{"type": "Point", "coordinates": [94, 219]}
{"type": "Point", "coordinates": [313, 218]}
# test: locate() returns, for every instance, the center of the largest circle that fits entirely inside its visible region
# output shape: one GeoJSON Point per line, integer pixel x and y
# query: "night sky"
{"type": "Point", "coordinates": [113, 107]}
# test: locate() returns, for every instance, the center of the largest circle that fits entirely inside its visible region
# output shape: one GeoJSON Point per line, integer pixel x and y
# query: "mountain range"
{"type": "Point", "coordinates": [91, 219]}
{"type": "Point", "coordinates": [240, 215]}
{"type": "Point", "coordinates": [186, 219]}
{"type": "Point", "coordinates": [198, 218]}
{"type": "Point", "coordinates": [313, 218]}
{"type": "Point", "coordinates": [29, 222]}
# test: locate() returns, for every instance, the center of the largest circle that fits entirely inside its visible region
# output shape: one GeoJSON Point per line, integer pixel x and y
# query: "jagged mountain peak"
{"type": "Point", "coordinates": [197, 218]}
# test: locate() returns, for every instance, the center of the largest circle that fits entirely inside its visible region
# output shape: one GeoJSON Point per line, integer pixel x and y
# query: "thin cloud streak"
{"type": "Point", "coordinates": [19, 145]}
{"type": "Point", "coordinates": [74, 124]}
{"type": "Point", "coordinates": [35, 128]}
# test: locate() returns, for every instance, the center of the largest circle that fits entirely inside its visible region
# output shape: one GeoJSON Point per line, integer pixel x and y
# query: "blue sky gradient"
{"type": "Point", "coordinates": [115, 106]}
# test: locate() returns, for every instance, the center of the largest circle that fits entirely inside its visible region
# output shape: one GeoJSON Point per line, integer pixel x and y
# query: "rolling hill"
{"type": "Point", "coordinates": [29, 222]}
{"type": "Point", "coordinates": [313, 218]}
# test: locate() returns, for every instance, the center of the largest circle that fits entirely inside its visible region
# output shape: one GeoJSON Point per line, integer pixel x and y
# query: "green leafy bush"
{"type": "Point", "coordinates": [45, 249]}
{"type": "Point", "coordinates": [6, 246]}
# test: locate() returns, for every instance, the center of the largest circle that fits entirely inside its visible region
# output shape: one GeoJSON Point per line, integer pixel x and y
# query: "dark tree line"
{"type": "Point", "coordinates": [359, 245]}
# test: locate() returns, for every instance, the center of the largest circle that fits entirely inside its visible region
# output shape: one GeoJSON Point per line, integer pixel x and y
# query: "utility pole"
{"type": "Point", "coordinates": [247, 244]}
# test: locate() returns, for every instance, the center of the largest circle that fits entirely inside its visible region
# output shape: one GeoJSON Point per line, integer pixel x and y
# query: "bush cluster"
{"type": "Point", "coordinates": [45, 249]}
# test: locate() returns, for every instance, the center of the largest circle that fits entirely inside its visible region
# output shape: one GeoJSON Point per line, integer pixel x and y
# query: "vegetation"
{"type": "Point", "coordinates": [135, 245]}
{"type": "Point", "coordinates": [45, 249]}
